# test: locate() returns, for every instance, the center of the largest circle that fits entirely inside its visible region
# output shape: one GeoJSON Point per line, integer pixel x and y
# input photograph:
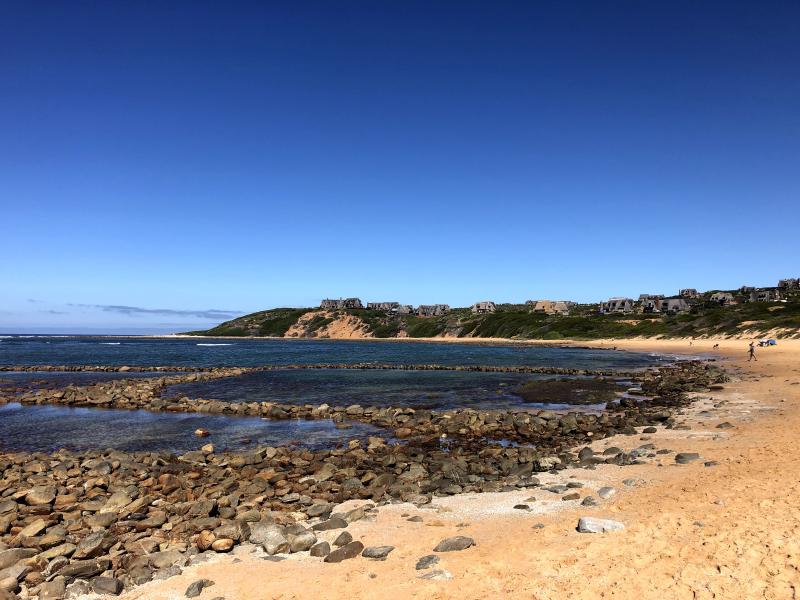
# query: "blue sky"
{"type": "Point", "coordinates": [162, 160]}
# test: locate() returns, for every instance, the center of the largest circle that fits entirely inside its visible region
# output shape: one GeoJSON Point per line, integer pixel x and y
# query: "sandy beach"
{"type": "Point", "coordinates": [724, 526]}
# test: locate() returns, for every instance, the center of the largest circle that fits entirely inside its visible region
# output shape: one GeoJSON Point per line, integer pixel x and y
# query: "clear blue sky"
{"type": "Point", "coordinates": [176, 157]}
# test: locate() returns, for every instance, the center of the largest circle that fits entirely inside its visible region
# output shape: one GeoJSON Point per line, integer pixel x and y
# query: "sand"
{"type": "Point", "coordinates": [726, 531]}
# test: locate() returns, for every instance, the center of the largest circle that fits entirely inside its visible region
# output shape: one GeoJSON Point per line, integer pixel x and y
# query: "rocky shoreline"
{"type": "Point", "coordinates": [71, 522]}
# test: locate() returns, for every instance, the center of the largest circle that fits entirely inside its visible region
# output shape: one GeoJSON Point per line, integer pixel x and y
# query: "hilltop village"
{"type": "Point", "coordinates": [682, 302]}
{"type": "Point", "coordinates": [747, 311]}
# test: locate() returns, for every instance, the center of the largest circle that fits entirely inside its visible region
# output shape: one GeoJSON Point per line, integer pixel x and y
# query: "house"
{"type": "Point", "coordinates": [617, 305]}
{"type": "Point", "coordinates": [432, 310]}
{"type": "Point", "coordinates": [788, 284]}
{"type": "Point", "coordinates": [552, 307]}
{"type": "Point", "coordinates": [746, 289]}
{"type": "Point", "coordinates": [650, 303]}
{"type": "Point", "coordinates": [404, 309]}
{"type": "Point", "coordinates": [486, 306]}
{"type": "Point", "coordinates": [688, 293]}
{"type": "Point", "coordinates": [675, 305]}
{"type": "Point", "coordinates": [330, 304]}
{"type": "Point", "coordinates": [384, 306]}
{"type": "Point", "coordinates": [765, 295]}
{"type": "Point", "coordinates": [723, 298]}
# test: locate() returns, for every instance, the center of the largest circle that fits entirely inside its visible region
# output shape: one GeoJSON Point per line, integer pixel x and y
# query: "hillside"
{"type": "Point", "coordinates": [513, 321]}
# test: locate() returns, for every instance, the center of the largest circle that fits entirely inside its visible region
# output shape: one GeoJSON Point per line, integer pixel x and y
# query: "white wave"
{"type": "Point", "coordinates": [215, 344]}
{"type": "Point", "coordinates": [109, 343]}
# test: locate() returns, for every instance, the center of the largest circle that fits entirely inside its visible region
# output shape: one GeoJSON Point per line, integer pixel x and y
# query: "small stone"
{"type": "Point", "coordinates": [414, 519]}
{"type": "Point", "coordinates": [107, 585]}
{"type": "Point", "coordinates": [202, 432]}
{"type": "Point", "coordinates": [594, 525]}
{"type": "Point", "coordinates": [436, 575]}
{"type": "Point", "coordinates": [332, 523]}
{"type": "Point", "coordinates": [649, 430]}
{"type": "Point", "coordinates": [346, 552]}
{"type": "Point", "coordinates": [427, 562]}
{"type": "Point", "coordinates": [320, 549]}
{"type": "Point", "coordinates": [454, 544]}
{"type": "Point", "coordinates": [606, 492]}
{"type": "Point", "coordinates": [377, 552]}
{"type": "Point", "coordinates": [573, 496]}
{"type": "Point", "coordinates": [204, 539]}
{"type": "Point", "coordinates": [196, 587]}
{"type": "Point", "coordinates": [343, 539]}
{"type": "Point", "coordinates": [522, 507]}
{"type": "Point", "coordinates": [589, 501]}
{"type": "Point", "coordinates": [683, 458]}
{"type": "Point", "coordinates": [724, 425]}
{"type": "Point", "coordinates": [710, 463]}
{"type": "Point", "coordinates": [40, 495]}
{"type": "Point", "coordinates": [222, 545]}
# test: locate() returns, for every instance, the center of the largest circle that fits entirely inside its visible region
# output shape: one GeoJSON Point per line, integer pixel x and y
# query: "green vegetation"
{"type": "Point", "coordinates": [513, 321]}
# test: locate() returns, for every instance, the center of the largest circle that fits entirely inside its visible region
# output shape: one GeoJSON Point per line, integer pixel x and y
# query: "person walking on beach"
{"type": "Point", "coordinates": [752, 352]}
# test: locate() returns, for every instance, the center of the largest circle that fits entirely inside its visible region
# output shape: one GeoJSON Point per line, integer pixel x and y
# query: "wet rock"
{"type": "Point", "coordinates": [346, 552]}
{"type": "Point", "coordinates": [454, 544]}
{"type": "Point", "coordinates": [594, 525]}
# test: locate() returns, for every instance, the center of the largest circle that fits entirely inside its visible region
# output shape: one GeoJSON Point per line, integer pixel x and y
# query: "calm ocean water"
{"type": "Point", "coordinates": [48, 428]}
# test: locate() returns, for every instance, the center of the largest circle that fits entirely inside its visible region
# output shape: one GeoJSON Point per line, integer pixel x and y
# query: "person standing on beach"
{"type": "Point", "coordinates": [752, 352]}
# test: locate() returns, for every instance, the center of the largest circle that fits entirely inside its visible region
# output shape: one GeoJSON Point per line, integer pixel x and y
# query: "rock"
{"type": "Point", "coordinates": [222, 545]}
{"type": "Point", "coordinates": [454, 544]}
{"type": "Point", "coordinates": [40, 495]}
{"type": "Point", "coordinates": [683, 458]}
{"type": "Point", "coordinates": [302, 541]}
{"type": "Point", "coordinates": [572, 496]}
{"type": "Point", "coordinates": [94, 545]}
{"type": "Point", "coordinates": [606, 492]}
{"type": "Point", "coordinates": [85, 568]}
{"type": "Point", "coordinates": [11, 557]}
{"type": "Point", "coordinates": [436, 575]}
{"type": "Point", "coordinates": [167, 558]}
{"type": "Point", "coordinates": [649, 430]}
{"type": "Point", "coordinates": [711, 463]}
{"type": "Point", "coordinates": [724, 425]}
{"type": "Point", "coordinates": [107, 585]}
{"type": "Point", "coordinates": [204, 539]}
{"type": "Point", "coordinates": [269, 536]}
{"type": "Point", "coordinates": [589, 501]}
{"type": "Point", "coordinates": [343, 539]}
{"type": "Point", "coordinates": [593, 525]}
{"type": "Point", "coordinates": [377, 552]}
{"type": "Point", "coordinates": [522, 507]}
{"type": "Point", "coordinates": [332, 523]}
{"type": "Point", "coordinates": [347, 551]}
{"type": "Point", "coordinates": [51, 590]}
{"type": "Point", "coordinates": [196, 587]}
{"type": "Point", "coordinates": [426, 562]}
{"type": "Point", "coordinates": [320, 549]}
{"type": "Point", "coordinates": [585, 453]}
{"type": "Point", "coordinates": [202, 432]}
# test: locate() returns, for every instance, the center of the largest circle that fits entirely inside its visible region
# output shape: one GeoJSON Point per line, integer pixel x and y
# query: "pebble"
{"type": "Point", "coordinates": [454, 544]}
{"type": "Point", "coordinates": [606, 492]}
{"type": "Point", "coordinates": [683, 458]}
{"type": "Point", "coordinates": [196, 587]}
{"type": "Point", "coordinates": [427, 561]}
{"type": "Point", "coordinates": [377, 552]}
{"type": "Point", "coordinates": [594, 525]}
